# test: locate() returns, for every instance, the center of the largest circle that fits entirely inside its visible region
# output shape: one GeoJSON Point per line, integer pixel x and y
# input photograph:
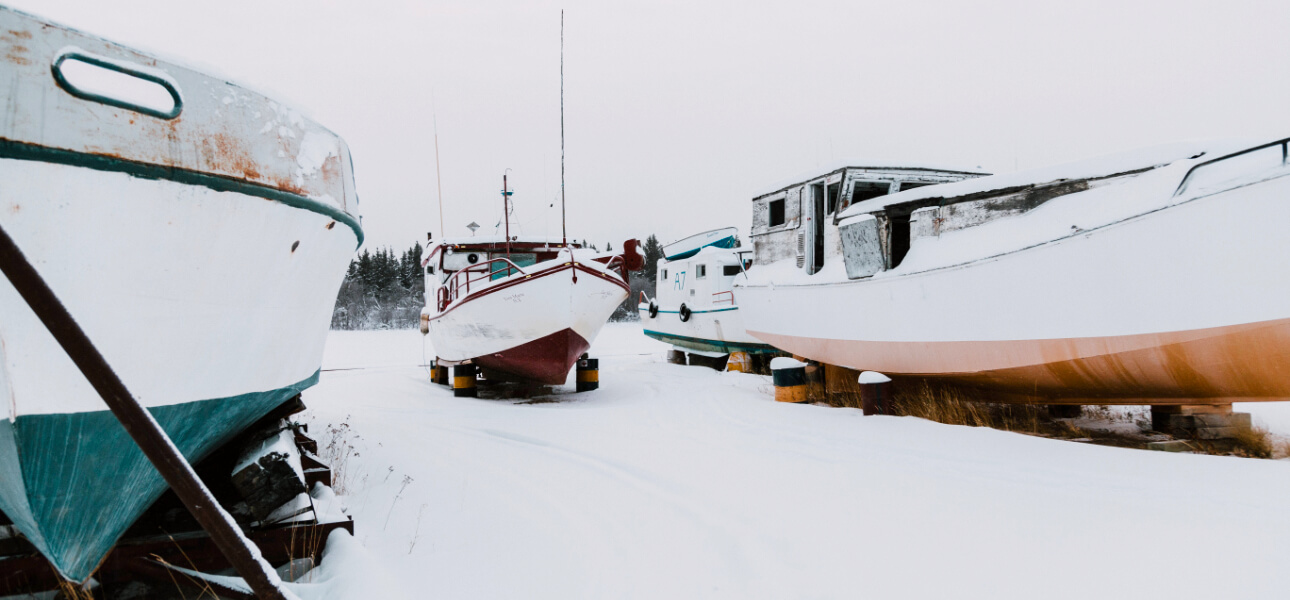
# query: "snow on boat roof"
{"type": "Point", "coordinates": [501, 239]}
{"type": "Point", "coordinates": [857, 163]}
{"type": "Point", "coordinates": [1110, 164]}
{"type": "Point", "coordinates": [712, 251]}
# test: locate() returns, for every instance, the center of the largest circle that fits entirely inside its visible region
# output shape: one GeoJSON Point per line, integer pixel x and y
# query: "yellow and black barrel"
{"type": "Point", "coordinates": [588, 374]}
{"type": "Point", "coordinates": [789, 376]}
{"type": "Point", "coordinates": [439, 373]}
{"type": "Point", "coordinates": [463, 381]}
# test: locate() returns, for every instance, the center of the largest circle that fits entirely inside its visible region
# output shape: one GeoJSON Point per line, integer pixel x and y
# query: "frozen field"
{"type": "Point", "coordinates": [680, 482]}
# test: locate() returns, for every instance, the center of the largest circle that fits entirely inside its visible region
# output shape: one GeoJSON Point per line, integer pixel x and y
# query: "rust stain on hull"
{"type": "Point", "coordinates": [1243, 363]}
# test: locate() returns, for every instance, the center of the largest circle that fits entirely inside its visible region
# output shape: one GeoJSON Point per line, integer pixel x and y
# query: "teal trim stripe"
{"type": "Point", "coordinates": [21, 151]}
{"type": "Point", "coordinates": [705, 345]}
{"type": "Point", "coordinates": [73, 483]}
{"type": "Point", "coordinates": [693, 312]}
{"type": "Point", "coordinates": [725, 242]}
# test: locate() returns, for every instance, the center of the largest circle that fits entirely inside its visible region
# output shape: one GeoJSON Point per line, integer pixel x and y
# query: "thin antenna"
{"type": "Point", "coordinates": [564, 232]}
{"type": "Point", "coordinates": [437, 175]}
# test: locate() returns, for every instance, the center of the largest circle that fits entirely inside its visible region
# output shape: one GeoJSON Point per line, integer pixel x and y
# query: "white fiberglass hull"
{"type": "Point", "coordinates": [1183, 304]}
{"type": "Point", "coordinates": [531, 325]}
{"type": "Point", "coordinates": [714, 328]}
{"type": "Point", "coordinates": [212, 307]}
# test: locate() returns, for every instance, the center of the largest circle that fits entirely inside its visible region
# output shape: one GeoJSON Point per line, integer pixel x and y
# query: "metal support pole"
{"type": "Point", "coordinates": [138, 422]}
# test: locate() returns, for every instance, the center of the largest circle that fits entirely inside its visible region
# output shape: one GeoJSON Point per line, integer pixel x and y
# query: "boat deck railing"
{"type": "Point", "coordinates": [460, 282]}
{"type": "Point", "coordinates": [726, 297]}
{"type": "Point", "coordinates": [1285, 160]}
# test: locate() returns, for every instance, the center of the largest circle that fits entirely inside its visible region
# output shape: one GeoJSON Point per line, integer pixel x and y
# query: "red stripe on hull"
{"type": "Point", "coordinates": [544, 360]}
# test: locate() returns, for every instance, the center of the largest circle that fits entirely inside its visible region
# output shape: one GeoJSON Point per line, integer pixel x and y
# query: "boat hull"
{"type": "Point", "coordinates": [531, 326]}
{"type": "Point", "coordinates": [1183, 305]}
{"type": "Point", "coordinates": [212, 307]}
{"type": "Point", "coordinates": [711, 329]}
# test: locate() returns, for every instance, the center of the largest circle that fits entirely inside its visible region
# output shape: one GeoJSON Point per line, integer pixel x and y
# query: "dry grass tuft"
{"type": "Point", "coordinates": [957, 405]}
{"type": "Point", "coordinates": [335, 451]}
{"type": "Point", "coordinates": [1255, 442]}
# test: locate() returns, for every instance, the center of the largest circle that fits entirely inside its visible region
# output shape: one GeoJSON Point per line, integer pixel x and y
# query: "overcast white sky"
{"type": "Point", "coordinates": [678, 111]}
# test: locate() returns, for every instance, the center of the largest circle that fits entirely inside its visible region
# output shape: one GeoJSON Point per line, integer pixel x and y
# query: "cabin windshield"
{"type": "Point", "coordinates": [864, 190]}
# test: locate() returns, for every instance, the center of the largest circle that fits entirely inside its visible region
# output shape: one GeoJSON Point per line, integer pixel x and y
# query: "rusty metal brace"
{"type": "Point", "coordinates": [138, 422]}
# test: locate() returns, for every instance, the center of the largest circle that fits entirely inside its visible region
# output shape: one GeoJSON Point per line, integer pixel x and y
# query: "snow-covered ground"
{"type": "Point", "coordinates": [681, 482]}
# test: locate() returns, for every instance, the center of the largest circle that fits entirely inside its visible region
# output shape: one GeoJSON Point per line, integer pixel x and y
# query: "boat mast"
{"type": "Point", "coordinates": [564, 232]}
{"type": "Point", "coordinates": [506, 215]}
{"type": "Point", "coordinates": [438, 177]}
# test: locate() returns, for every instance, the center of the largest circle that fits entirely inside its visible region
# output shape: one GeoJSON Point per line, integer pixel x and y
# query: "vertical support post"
{"type": "Point", "coordinates": [789, 377]}
{"type": "Point", "coordinates": [138, 422]}
{"type": "Point", "coordinates": [588, 374]}
{"type": "Point", "coordinates": [463, 381]}
{"type": "Point", "coordinates": [875, 393]}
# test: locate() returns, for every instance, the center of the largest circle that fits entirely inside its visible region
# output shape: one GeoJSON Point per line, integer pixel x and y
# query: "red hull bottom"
{"type": "Point", "coordinates": [544, 360]}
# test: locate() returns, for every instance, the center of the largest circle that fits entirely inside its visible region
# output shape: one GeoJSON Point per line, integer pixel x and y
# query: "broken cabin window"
{"type": "Point", "coordinates": [730, 270]}
{"type": "Point", "coordinates": [776, 212]}
{"type": "Point", "coordinates": [864, 190]}
{"type": "Point", "coordinates": [834, 192]}
{"type": "Point", "coordinates": [700, 271]}
{"type": "Point", "coordinates": [898, 242]}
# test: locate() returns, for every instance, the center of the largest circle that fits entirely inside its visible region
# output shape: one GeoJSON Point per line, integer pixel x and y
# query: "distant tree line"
{"type": "Point", "coordinates": [382, 290]}
{"type": "Point", "coordinates": [385, 289]}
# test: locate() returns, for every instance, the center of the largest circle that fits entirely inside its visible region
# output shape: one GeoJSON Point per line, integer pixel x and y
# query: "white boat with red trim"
{"type": "Point", "coordinates": [526, 310]}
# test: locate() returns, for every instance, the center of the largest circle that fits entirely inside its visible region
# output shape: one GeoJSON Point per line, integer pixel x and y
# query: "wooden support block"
{"type": "Point", "coordinates": [267, 473]}
{"type": "Point", "coordinates": [1065, 411]}
{"type": "Point", "coordinates": [711, 360]}
{"type": "Point", "coordinates": [875, 393]}
{"type": "Point", "coordinates": [739, 362]}
{"type": "Point", "coordinates": [315, 470]}
{"type": "Point", "coordinates": [1201, 422]}
{"type": "Point", "coordinates": [676, 357]}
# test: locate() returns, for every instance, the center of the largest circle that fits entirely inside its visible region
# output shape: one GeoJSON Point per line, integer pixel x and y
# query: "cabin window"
{"type": "Point", "coordinates": [730, 270]}
{"type": "Point", "coordinates": [776, 212]}
{"type": "Point", "coordinates": [664, 274]}
{"type": "Point", "coordinates": [864, 190]}
{"type": "Point", "coordinates": [700, 271]}
{"type": "Point", "coordinates": [899, 240]}
{"type": "Point", "coordinates": [430, 270]}
{"type": "Point", "coordinates": [909, 185]}
{"type": "Point", "coordinates": [834, 192]}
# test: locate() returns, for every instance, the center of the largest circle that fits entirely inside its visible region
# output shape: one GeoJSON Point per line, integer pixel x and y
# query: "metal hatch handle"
{"type": "Point", "coordinates": [123, 68]}
{"type": "Point", "coordinates": [138, 422]}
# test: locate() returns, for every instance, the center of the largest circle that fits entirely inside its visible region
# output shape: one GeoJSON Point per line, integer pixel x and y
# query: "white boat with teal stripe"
{"type": "Point", "coordinates": [695, 308]}
{"type": "Point", "coordinates": [197, 232]}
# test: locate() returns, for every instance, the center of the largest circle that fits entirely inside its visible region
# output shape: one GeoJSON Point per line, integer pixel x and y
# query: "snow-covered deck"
{"type": "Point", "coordinates": [681, 482]}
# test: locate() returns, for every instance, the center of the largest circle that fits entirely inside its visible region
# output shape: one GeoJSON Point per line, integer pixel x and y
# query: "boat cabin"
{"type": "Point", "coordinates": [486, 257]}
{"type": "Point", "coordinates": [702, 279]}
{"type": "Point", "coordinates": [798, 220]}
